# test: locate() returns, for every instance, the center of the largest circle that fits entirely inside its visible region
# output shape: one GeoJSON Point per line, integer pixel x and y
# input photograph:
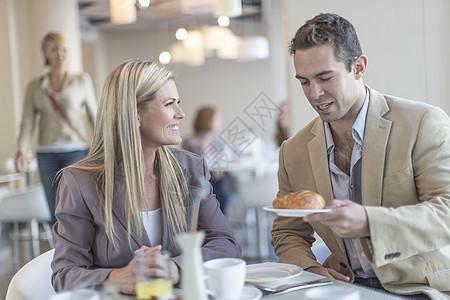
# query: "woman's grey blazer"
{"type": "Point", "coordinates": [83, 254]}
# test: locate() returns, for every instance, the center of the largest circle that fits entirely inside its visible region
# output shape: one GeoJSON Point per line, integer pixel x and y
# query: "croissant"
{"type": "Point", "coordinates": [302, 199]}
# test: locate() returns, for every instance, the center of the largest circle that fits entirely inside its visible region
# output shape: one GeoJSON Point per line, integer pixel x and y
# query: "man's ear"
{"type": "Point", "coordinates": [359, 66]}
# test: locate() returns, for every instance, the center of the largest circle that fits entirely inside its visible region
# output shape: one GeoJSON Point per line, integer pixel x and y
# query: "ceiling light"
{"type": "Point", "coordinates": [229, 50]}
{"type": "Point", "coordinates": [143, 4]}
{"type": "Point", "coordinates": [178, 53]}
{"type": "Point", "coordinates": [164, 57]}
{"type": "Point", "coordinates": [217, 37]}
{"type": "Point", "coordinates": [194, 47]}
{"type": "Point", "coordinates": [230, 8]}
{"type": "Point", "coordinates": [197, 7]}
{"type": "Point", "coordinates": [181, 34]}
{"type": "Point", "coordinates": [122, 11]}
{"type": "Point", "coordinates": [252, 48]}
{"type": "Point", "coordinates": [223, 21]}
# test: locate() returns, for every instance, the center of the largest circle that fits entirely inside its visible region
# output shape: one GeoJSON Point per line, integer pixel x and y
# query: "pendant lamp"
{"type": "Point", "coordinates": [229, 8]}
{"type": "Point", "coordinates": [122, 11]}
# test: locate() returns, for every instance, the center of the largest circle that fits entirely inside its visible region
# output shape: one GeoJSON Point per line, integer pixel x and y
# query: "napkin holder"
{"type": "Point", "coordinates": [192, 277]}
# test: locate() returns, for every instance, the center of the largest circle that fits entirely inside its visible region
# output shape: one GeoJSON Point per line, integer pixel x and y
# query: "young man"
{"type": "Point", "coordinates": [386, 159]}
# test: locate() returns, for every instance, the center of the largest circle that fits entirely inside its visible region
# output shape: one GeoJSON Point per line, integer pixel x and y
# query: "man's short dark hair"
{"type": "Point", "coordinates": [329, 29]}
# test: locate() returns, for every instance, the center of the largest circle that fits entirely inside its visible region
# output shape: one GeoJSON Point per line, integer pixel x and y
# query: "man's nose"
{"type": "Point", "coordinates": [315, 91]}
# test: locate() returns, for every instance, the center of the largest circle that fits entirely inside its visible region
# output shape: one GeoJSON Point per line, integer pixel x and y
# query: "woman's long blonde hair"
{"type": "Point", "coordinates": [116, 155]}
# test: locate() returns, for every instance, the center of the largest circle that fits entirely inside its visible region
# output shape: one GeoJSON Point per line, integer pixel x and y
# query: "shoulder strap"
{"type": "Point", "coordinates": [62, 113]}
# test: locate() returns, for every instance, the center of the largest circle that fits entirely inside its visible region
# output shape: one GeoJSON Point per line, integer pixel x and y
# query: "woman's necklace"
{"type": "Point", "coordinates": [57, 82]}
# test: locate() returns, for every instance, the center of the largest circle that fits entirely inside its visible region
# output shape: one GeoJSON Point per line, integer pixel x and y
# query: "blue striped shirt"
{"type": "Point", "coordinates": [349, 187]}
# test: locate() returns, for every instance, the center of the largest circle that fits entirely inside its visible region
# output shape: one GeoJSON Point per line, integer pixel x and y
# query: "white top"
{"type": "Point", "coordinates": [152, 224]}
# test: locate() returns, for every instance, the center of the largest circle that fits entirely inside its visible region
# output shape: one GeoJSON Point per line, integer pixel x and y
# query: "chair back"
{"type": "Point", "coordinates": [33, 281]}
{"type": "Point", "coordinates": [25, 204]}
{"type": "Point", "coordinates": [259, 191]}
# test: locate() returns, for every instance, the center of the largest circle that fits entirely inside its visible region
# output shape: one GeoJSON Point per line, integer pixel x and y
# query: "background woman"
{"type": "Point", "coordinates": [62, 140]}
{"type": "Point", "coordinates": [207, 125]}
{"type": "Point", "coordinates": [131, 192]}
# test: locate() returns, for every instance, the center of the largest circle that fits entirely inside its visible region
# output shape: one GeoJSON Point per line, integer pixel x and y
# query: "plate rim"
{"type": "Point", "coordinates": [269, 280]}
{"type": "Point", "coordinates": [295, 212]}
{"type": "Point", "coordinates": [253, 288]}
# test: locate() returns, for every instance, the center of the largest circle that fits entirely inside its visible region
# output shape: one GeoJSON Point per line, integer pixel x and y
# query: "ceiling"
{"type": "Point", "coordinates": [161, 14]}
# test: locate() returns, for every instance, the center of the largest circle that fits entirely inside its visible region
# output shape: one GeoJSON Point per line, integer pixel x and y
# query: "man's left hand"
{"type": "Point", "coordinates": [347, 219]}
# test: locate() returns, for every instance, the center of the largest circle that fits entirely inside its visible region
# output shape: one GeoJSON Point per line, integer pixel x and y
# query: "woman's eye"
{"type": "Point", "coordinates": [326, 79]}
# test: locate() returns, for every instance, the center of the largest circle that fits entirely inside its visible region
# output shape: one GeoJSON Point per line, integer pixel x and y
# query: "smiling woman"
{"type": "Point", "coordinates": [132, 187]}
{"type": "Point", "coordinates": [159, 118]}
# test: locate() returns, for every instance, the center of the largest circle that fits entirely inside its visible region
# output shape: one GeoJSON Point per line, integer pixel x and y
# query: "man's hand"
{"type": "Point", "coordinates": [347, 219]}
{"type": "Point", "coordinates": [327, 272]}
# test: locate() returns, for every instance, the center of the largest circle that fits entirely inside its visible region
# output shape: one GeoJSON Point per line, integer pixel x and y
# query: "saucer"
{"type": "Point", "coordinates": [250, 293]}
{"type": "Point", "coordinates": [333, 292]}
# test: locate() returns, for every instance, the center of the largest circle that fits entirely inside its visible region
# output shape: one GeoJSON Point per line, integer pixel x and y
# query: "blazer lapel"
{"type": "Point", "coordinates": [376, 136]}
{"type": "Point", "coordinates": [317, 149]}
{"type": "Point", "coordinates": [120, 214]}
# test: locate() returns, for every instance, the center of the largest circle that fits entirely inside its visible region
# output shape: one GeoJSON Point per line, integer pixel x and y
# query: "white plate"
{"type": "Point", "coordinates": [295, 212]}
{"type": "Point", "coordinates": [333, 292]}
{"type": "Point", "coordinates": [250, 293]}
{"type": "Point", "coordinates": [270, 272]}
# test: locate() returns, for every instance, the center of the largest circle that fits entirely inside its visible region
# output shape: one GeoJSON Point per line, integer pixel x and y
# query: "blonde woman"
{"type": "Point", "coordinates": [131, 192]}
{"type": "Point", "coordinates": [63, 130]}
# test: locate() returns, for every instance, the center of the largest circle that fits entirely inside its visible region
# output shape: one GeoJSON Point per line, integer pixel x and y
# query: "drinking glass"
{"type": "Point", "coordinates": [150, 286]}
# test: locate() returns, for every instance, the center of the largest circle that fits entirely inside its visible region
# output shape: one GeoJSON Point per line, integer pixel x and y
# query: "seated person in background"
{"type": "Point", "coordinates": [207, 125]}
{"type": "Point", "coordinates": [283, 132]}
{"type": "Point", "coordinates": [387, 159]}
{"type": "Point", "coordinates": [131, 193]}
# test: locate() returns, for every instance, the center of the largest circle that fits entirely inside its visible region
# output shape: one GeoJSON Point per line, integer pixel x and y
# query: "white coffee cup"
{"type": "Point", "coordinates": [225, 278]}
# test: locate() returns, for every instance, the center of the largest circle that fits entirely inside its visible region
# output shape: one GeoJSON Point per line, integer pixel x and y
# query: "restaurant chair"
{"type": "Point", "coordinates": [33, 280]}
{"type": "Point", "coordinates": [253, 195]}
{"type": "Point", "coordinates": [27, 205]}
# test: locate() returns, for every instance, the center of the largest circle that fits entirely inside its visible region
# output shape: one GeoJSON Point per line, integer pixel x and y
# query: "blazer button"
{"type": "Point", "coordinates": [392, 255]}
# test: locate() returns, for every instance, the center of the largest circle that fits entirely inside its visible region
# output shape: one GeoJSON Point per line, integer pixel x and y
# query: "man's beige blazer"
{"type": "Point", "coordinates": [405, 190]}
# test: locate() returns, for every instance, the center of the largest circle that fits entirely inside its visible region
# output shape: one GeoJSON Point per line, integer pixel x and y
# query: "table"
{"type": "Point", "coordinates": [366, 293]}
{"type": "Point", "coordinates": [8, 177]}
{"type": "Point", "coordinates": [305, 276]}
